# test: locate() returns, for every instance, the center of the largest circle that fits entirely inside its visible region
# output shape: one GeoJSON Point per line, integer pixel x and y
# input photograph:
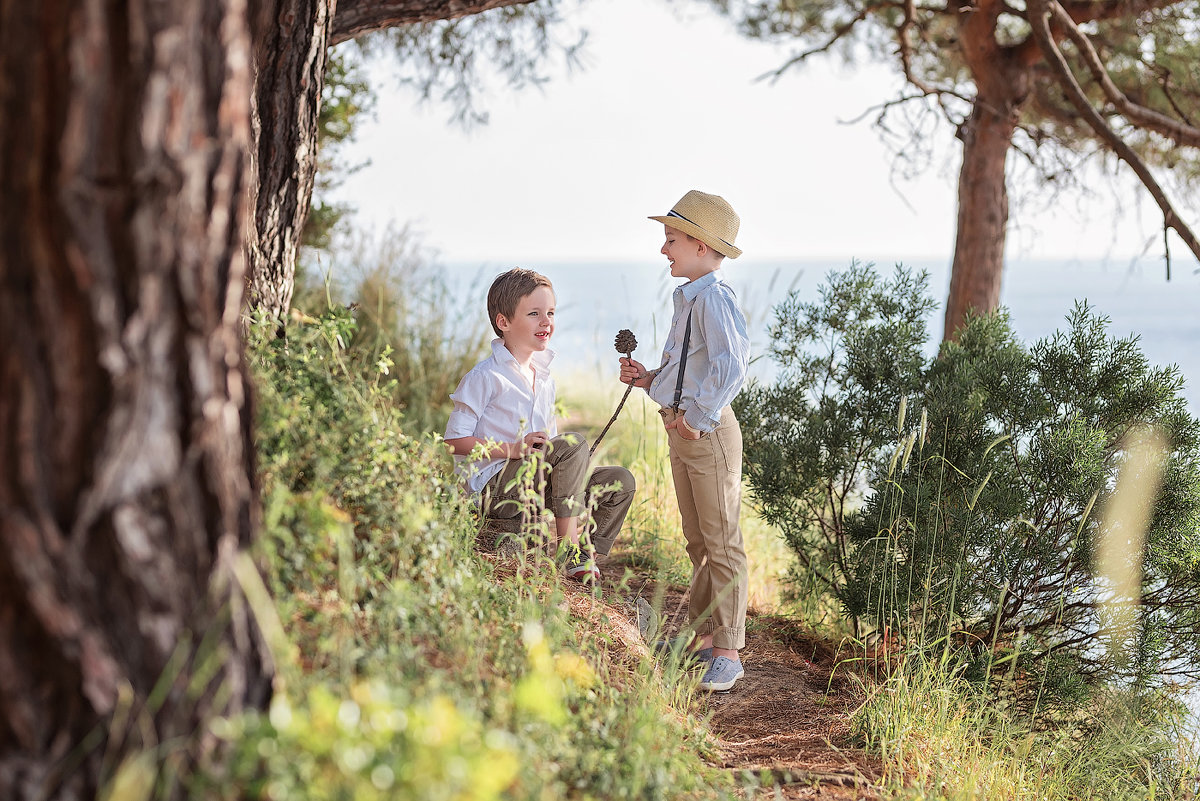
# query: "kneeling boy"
{"type": "Point", "coordinates": [505, 405]}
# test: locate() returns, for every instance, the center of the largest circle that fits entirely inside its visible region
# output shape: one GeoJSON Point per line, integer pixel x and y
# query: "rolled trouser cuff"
{"type": "Point", "coordinates": [729, 637]}
{"type": "Point", "coordinates": [603, 544]}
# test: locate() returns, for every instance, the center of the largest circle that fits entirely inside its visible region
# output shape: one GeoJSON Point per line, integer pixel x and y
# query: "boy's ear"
{"type": "Point", "coordinates": [502, 322]}
{"type": "Point", "coordinates": [707, 250]}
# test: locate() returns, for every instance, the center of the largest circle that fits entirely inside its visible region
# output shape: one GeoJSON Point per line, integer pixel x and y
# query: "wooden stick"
{"type": "Point", "coordinates": [612, 419]}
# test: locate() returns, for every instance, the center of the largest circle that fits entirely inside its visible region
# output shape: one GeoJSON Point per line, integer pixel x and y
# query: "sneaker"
{"type": "Point", "coordinates": [581, 566]}
{"type": "Point", "coordinates": [682, 645]}
{"type": "Point", "coordinates": [721, 675]}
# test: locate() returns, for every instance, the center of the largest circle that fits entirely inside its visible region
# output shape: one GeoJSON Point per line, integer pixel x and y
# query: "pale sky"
{"type": "Point", "coordinates": [667, 101]}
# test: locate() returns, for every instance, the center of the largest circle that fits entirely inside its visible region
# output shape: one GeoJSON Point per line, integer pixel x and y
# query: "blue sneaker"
{"type": "Point", "coordinates": [682, 645]}
{"type": "Point", "coordinates": [722, 674]}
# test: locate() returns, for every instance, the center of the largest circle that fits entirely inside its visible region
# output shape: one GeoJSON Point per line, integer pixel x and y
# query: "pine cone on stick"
{"type": "Point", "coordinates": [625, 343]}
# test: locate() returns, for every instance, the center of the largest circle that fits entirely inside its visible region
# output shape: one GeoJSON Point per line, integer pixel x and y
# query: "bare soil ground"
{"type": "Point", "coordinates": [787, 721]}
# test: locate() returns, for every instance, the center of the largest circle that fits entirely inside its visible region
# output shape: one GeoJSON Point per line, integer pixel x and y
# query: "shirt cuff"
{"type": "Point", "coordinates": [693, 426]}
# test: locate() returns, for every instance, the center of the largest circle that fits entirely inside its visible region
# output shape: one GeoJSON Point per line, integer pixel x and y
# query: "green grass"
{"type": "Point", "coordinates": [410, 666]}
{"type": "Point", "coordinates": [942, 737]}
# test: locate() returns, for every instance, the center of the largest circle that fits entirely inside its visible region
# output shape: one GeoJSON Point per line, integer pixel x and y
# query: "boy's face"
{"type": "Point", "coordinates": [532, 323]}
{"type": "Point", "coordinates": [685, 254]}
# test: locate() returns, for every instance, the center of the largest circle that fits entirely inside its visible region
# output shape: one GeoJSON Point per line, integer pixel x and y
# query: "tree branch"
{"type": "Point", "coordinates": [355, 18]}
{"type": "Point", "coordinates": [1181, 132]}
{"type": "Point", "coordinates": [1039, 12]}
{"type": "Point", "coordinates": [1089, 10]}
{"type": "Point", "coordinates": [840, 32]}
{"type": "Point", "coordinates": [906, 53]}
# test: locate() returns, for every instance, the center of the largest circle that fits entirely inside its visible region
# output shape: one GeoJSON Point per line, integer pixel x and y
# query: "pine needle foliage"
{"type": "Point", "coordinates": [345, 98]}
{"type": "Point", "coordinates": [463, 62]}
{"type": "Point", "coordinates": [812, 438]}
{"type": "Point", "coordinates": [956, 501]}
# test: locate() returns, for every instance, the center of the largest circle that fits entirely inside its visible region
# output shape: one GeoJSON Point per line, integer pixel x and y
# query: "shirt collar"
{"type": "Point", "coordinates": [541, 359]}
{"type": "Point", "coordinates": [693, 288]}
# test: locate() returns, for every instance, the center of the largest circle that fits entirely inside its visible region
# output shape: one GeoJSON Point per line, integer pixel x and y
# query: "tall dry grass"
{"type": "Point", "coordinates": [943, 736]}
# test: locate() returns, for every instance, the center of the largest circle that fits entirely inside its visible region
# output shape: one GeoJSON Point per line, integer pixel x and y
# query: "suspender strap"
{"type": "Point", "coordinates": [687, 335]}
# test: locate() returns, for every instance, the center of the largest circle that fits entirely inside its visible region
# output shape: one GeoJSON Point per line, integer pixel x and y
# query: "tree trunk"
{"type": "Point", "coordinates": [978, 267]}
{"type": "Point", "coordinates": [292, 39]}
{"type": "Point", "coordinates": [127, 486]}
{"type": "Point", "coordinates": [290, 52]}
{"type": "Point", "coordinates": [1002, 78]}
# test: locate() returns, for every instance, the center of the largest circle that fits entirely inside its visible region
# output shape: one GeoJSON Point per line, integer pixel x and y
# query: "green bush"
{"type": "Point", "coordinates": [411, 335]}
{"type": "Point", "coordinates": [814, 437]}
{"type": "Point", "coordinates": [416, 669]}
{"type": "Point", "coordinates": [957, 500]}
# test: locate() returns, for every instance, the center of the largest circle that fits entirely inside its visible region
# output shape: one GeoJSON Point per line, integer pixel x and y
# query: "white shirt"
{"type": "Point", "coordinates": [718, 352]}
{"type": "Point", "coordinates": [495, 401]}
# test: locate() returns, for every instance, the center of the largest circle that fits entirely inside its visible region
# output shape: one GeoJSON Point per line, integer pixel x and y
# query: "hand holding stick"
{"type": "Point", "coordinates": [625, 343]}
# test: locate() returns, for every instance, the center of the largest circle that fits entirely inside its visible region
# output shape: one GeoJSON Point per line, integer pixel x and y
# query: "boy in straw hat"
{"type": "Point", "coordinates": [504, 415]}
{"type": "Point", "coordinates": [703, 367]}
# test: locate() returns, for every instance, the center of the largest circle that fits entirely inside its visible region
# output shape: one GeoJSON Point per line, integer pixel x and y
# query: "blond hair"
{"type": "Point", "coordinates": [507, 291]}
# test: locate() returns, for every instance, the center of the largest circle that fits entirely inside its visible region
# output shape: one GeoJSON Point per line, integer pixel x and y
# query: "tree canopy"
{"type": "Point", "coordinates": [1057, 83]}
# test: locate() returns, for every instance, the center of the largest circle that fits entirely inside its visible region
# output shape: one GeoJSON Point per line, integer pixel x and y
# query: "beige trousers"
{"type": "Point", "coordinates": [708, 487]}
{"type": "Point", "coordinates": [564, 491]}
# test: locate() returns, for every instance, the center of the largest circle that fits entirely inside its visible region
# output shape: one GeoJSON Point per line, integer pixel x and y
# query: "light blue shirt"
{"type": "Point", "coordinates": [718, 352]}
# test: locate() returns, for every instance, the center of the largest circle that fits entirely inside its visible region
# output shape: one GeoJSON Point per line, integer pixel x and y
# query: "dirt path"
{"type": "Point", "coordinates": [787, 721]}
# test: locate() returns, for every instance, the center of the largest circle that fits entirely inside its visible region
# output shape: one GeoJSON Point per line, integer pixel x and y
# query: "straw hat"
{"type": "Point", "coordinates": [708, 218]}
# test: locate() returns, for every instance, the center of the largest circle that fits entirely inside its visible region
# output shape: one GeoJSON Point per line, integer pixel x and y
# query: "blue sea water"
{"type": "Point", "coordinates": [595, 300]}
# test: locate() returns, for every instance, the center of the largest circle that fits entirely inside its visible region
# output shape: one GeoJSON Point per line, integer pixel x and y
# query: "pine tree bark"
{"type": "Point", "coordinates": [1002, 78]}
{"type": "Point", "coordinates": [127, 486]}
{"type": "Point", "coordinates": [292, 38]}
{"type": "Point", "coordinates": [290, 50]}
{"type": "Point", "coordinates": [357, 17]}
{"type": "Point", "coordinates": [978, 267]}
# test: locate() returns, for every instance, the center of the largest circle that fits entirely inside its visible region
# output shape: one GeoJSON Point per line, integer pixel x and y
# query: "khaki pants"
{"type": "Point", "coordinates": [565, 492]}
{"type": "Point", "coordinates": [708, 487]}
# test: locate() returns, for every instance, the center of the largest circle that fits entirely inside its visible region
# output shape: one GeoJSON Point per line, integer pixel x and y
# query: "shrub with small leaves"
{"type": "Point", "coordinates": [959, 500]}
{"type": "Point", "coordinates": [814, 436]}
{"type": "Point", "coordinates": [990, 522]}
{"type": "Point", "coordinates": [412, 667]}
